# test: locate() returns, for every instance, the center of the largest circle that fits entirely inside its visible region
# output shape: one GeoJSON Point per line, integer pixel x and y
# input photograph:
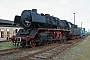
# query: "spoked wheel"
{"type": "Point", "coordinates": [14, 43]}
{"type": "Point", "coordinates": [40, 42]}
{"type": "Point", "coordinates": [61, 38]}
{"type": "Point", "coordinates": [32, 44]}
{"type": "Point", "coordinates": [57, 41]}
{"type": "Point", "coordinates": [46, 43]}
{"type": "Point", "coordinates": [23, 44]}
{"type": "Point", "coordinates": [73, 37]}
{"type": "Point", "coordinates": [54, 41]}
{"type": "Point", "coordinates": [64, 39]}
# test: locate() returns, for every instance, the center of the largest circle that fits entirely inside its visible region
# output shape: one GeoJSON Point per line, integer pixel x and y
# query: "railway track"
{"type": "Point", "coordinates": [9, 51]}
{"type": "Point", "coordinates": [18, 50]}
{"type": "Point", "coordinates": [51, 52]}
{"type": "Point", "coordinates": [46, 53]}
{"type": "Point", "coordinates": [11, 54]}
{"type": "Point", "coordinates": [42, 52]}
{"type": "Point", "coordinates": [39, 52]}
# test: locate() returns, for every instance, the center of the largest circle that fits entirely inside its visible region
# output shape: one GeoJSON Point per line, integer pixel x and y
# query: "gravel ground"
{"type": "Point", "coordinates": [79, 52]}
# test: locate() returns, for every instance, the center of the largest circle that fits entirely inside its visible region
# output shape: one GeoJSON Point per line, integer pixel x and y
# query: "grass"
{"type": "Point", "coordinates": [6, 45]}
{"type": "Point", "coordinates": [79, 52]}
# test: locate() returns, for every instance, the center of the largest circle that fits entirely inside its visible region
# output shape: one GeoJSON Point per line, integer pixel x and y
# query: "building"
{"type": "Point", "coordinates": [7, 29]}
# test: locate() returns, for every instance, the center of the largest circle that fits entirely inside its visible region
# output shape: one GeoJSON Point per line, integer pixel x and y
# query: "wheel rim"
{"type": "Point", "coordinates": [46, 43]}
{"type": "Point", "coordinates": [61, 38]}
{"type": "Point", "coordinates": [40, 43]}
{"type": "Point", "coordinates": [14, 43]}
{"type": "Point", "coordinates": [32, 44]}
{"type": "Point", "coordinates": [23, 44]}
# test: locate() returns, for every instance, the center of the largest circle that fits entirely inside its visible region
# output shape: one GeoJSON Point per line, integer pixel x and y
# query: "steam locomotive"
{"type": "Point", "coordinates": [40, 29]}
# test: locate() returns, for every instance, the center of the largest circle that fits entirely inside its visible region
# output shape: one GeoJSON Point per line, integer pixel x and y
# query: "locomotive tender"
{"type": "Point", "coordinates": [42, 28]}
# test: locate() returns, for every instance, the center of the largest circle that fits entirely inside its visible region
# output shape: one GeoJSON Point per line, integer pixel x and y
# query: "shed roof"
{"type": "Point", "coordinates": [6, 21]}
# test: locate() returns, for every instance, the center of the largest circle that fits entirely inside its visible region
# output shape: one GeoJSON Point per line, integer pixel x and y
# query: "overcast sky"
{"type": "Point", "coordinates": [62, 9]}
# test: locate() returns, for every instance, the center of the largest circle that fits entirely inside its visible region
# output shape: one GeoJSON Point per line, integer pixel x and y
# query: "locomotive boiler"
{"type": "Point", "coordinates": [40, 29]}
{"type": "Point", "coordinates": [31, 19]}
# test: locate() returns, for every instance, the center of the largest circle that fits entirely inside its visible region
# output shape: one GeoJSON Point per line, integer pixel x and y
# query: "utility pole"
{"type": "Point", "coordinates": [74, 24]}
{"type": "Point", "coordinates": [81, 24]}
{"type": "Point", "coordinates": [74, 18]}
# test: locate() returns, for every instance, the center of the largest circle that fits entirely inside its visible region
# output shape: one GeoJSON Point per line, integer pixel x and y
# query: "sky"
{"type": "Point", "coordinates": [62, 9]}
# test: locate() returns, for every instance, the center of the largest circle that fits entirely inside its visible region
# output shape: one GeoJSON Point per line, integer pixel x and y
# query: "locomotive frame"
{"type": "Point", "coordinates": [42, 36]}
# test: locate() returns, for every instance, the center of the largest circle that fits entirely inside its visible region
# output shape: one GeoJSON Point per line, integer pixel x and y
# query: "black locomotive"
{"type": "Point", "coordinates": [42, 28]}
